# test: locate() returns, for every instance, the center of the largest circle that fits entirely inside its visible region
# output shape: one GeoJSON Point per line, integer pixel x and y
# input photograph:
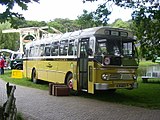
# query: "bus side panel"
{"type": "Point", "coordinates": [62, 68]}
{"type": "Point", "coordinates": [75, 76]}
{"type": "Point", "coordinates": [28, 66]}
{"type": "Point", "coordinates": [41, 68]}
{"type": "Point", "coordinates": [24, 68]}
{"type": "Point", "coordinates": [52, 67]}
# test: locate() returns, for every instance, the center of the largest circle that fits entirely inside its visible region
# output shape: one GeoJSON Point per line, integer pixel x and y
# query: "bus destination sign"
{"type": "Point", "coordinates": [115, 33]}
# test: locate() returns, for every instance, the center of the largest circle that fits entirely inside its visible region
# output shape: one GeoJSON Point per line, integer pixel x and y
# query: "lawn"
{"type": "Point", "coordinates": [23, 81]}
{"type": "Point", "coordinates": [147, 95]}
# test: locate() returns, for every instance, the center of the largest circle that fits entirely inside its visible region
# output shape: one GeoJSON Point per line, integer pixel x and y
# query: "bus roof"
{"type": "Point", "coordinates": [103, 30]}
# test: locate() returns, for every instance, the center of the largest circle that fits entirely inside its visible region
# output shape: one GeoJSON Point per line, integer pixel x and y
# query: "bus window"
{"type": "Point", "coordinates": [91, 46]}
{"type": "Point", "coordinates": [71, 47]}
{"type": "Point", "coordinates": [75, 46]}
{"type": "Point", "coordinates": [47, 50]}
{"type": "Point", "coordinates": [41, 50]}
{"type": "Point", "coordinates": [54, 48]}
{"type": "Point", "coordinates": [101, 47]}
{"type": "Point", "coordinates": [36, 51]}
{"type": "Point", "coordinates": [108, 47]}
{"type": "Point", "coordinates": [127, 49]}
{"type": "Point", "coordinates": [63, 48]}
{"type": "Point", "coordinates": [31, 53]}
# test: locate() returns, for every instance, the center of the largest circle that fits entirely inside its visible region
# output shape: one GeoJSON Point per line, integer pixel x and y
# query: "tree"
{"type": "Point", "coordinates": [64, 25]}
{"type": "Point", "coordinates": [147, 27]}
{"type": "Point", "coordinates": [8, 15]}
{"type": "Point", "coordinates": [30, 23]}
{"type": "Point", "coordinates": [86, 20]}
{"type": "Point", "coordinates": [120, 24]}
{"type": "Point", "coordinates": [8, 40]}
{"type": "Point", "coordinates": [97, 18]}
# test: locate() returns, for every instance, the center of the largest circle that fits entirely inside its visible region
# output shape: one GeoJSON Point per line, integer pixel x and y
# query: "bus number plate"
{"type": "Point", "coordinates": [121, 85]}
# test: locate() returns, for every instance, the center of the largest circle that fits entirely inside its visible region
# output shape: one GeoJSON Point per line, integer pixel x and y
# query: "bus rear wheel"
{"type": "Point", "coordinates": [34, 76]}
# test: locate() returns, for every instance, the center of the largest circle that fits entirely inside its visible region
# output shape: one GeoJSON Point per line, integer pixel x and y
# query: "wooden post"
{"type": "Point", "coordinates": [9, 106]}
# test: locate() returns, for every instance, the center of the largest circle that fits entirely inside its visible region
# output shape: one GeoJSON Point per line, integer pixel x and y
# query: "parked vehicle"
{"type": "Point", "coordinates": [13, 59]}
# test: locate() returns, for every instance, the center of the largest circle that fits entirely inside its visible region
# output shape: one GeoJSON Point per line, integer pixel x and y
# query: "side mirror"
{"type": "Point", "coordinates": [89, 51]}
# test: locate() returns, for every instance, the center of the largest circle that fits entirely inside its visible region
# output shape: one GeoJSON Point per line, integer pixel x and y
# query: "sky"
{"type": "Point", "coordinates": [48, 10]}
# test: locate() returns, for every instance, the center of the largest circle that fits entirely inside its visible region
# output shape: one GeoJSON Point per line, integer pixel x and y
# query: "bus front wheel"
{"type": "Point", "coordinates": [34, 76]}
{"type": "Point", "coordinates": [69, 83]}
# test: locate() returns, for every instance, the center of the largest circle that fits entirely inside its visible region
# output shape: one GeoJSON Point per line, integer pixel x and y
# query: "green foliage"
{"type": "Point", "coordinates": [27, 23]}
{"type": "Point", "coordinates": [147, 27]}
{"type": "Point", "coordinates": [120, 24]}
{"type": "Point", "coordinates": [20, 116]}
{"type": "Point", "coordinates": [101, 14]}
{"type": "Point", "coordinates": [97, 18]}
{"type": "Point", "coordinates": [86, 20]}
{"type": "Point", "coordinates": [64, 25]}
{"type": "Point", "coordinates": [8, 40]}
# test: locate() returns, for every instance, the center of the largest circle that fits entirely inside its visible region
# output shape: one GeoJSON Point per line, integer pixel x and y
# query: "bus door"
{"type": "Point", "coordinates": [83, 64]}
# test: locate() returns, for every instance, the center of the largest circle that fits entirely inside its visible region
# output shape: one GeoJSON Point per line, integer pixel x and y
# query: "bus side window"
{"type": "Point", "coordinates": [31, 52]}
{"type": "Point", "coordinates": [76, 46]}
{"type": "Point", "coordinates": [54, 48]}
{"type": "Point", "coordinates": [36, 51]}
{"type": "Point", "coordinates": [91, 47]}
{"type": "Point", "coordinates": [41, 50]}
{"type": "Point", "coordinates": [25, 53]}
{"type": "Point", "coordinates": [63, 48]}
{"type": "Point", "coordinates": [71, 47]}
{"type": "Point", "coordinates": [47, 51]}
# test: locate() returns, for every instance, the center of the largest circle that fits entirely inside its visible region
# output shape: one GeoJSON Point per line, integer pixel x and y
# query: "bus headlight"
{"type": "Point", "coordinates": [134, 77]}
{"type": "Point", "coordinates": [106, 61]}
{"type": "Point", "coordinates": [104, 76]}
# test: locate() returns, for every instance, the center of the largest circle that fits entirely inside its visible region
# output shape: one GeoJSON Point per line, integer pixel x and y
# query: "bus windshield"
{"type": "Point", "coordinates": [115, 47]}
{"type": "Point", "coordinates": [106, 46]}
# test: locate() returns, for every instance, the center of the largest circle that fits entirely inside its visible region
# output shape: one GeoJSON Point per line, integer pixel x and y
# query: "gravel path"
{"type": "Point", "coordinates": [39, 105]}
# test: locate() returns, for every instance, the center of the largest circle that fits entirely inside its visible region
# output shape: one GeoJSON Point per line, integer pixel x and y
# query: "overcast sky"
{"type": "Point", "coordinates": [48, 10]}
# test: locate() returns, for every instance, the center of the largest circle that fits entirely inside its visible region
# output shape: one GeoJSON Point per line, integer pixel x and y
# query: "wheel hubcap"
{"type": "Point", "coordinates": [70, 84]}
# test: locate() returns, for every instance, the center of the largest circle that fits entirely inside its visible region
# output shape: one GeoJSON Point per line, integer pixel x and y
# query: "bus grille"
{"type": "Point", "coordinates": [120, 77]}
{"type": "Point", "coordinates": [115, 76]}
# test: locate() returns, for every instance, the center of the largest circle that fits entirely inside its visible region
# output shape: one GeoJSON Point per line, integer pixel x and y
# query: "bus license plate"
{"type": "Point", "coordinates": [122, 85]}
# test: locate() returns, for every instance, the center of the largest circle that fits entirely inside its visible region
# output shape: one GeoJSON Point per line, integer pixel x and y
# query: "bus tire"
{"type": "Point", "coordinates": [34, 76]}
{"type": "Point", "coordinates": [69, 83]}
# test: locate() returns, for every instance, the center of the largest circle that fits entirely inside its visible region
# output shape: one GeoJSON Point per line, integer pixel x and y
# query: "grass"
{"type": "Point", "coordinates": [23, 81]}
{"type": "Point", "coordinates": [146, 95]}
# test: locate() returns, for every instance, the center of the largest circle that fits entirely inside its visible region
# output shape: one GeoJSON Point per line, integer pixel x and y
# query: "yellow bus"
{"type": "Point", "coordinates": [93, 59]}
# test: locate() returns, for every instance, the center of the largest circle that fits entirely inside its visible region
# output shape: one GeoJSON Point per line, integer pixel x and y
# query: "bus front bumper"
{"type": "Point", "coordinates": [101, 86]}
{"type": "Point", "coordinates": [106, 86]}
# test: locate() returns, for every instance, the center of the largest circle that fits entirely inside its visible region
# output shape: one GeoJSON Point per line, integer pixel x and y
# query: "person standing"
{"type": "Point", "coordinates": [2, 62]}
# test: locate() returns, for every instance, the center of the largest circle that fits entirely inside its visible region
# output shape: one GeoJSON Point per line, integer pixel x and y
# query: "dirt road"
{"type": "Point", "coordinates": [37, 104]}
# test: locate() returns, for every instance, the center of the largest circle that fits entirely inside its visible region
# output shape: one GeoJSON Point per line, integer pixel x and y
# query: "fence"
{"type": "Point", "coordinates": [9, 107]}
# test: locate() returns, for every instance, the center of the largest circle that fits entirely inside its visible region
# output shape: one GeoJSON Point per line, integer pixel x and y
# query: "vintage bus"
{"type": "Point", "coordinates": [93, 59]}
